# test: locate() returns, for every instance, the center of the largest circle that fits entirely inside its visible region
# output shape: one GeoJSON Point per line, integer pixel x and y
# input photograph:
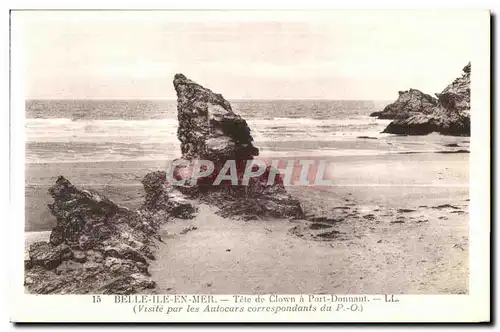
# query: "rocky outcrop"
{"type": "Point", "coordinates": [254, 201]}
{"type": "Point", "coordinates": [99, 246]}
{"type": "Point", "coordinates": [208, 127]}
{"type": "Point", "coordinates": [163, 201]}
{"type": "Point", "coordinates": [451, 115]}
{"type": "Point", "coordinates": [96, 246]}
{"type": "Point", "coordinates": [210, 130]}
{"type": "Point", "coordinates": [456, 96]}
{"type": "Point", "coordinates": [409, 103]}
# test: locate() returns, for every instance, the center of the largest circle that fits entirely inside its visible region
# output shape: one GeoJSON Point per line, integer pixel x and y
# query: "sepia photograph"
{"type": "Point", "coordinates": [183, 152]}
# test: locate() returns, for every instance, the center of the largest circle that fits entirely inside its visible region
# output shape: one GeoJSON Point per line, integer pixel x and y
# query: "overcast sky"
{"type": "Point", "coordinates": [332, 55]}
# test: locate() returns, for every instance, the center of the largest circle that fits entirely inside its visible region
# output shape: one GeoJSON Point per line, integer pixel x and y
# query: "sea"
{"type": "Point", "coordinates": [109, 145]}
{"type": "Point", "coordinates": [59, 131]}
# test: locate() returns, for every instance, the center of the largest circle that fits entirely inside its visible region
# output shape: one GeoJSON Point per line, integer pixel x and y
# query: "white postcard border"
{"type": "Point", "coordinates": [428, 308]}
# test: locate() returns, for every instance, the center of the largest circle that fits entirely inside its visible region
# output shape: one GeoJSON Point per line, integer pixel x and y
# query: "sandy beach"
{"type": "Point", "coordinates": [414, 238]}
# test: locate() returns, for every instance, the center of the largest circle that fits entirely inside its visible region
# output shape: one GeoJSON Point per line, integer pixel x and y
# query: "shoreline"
{"type": "Point", "coordinates": [439, 175]}
{"type": "Point", "coordinates": [408, 237]}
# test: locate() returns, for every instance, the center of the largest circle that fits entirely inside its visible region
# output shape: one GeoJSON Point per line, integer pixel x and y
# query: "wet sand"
{"type": "Point", "coordinates": [424, 251]}
{"type": "Point", "coordinates": [420, 255]}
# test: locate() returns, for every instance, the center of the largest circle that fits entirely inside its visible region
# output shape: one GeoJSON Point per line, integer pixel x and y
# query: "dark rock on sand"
{"type": "Point", "coordinates": [210, 130]}
{"type": "Point", "coordinates": [306, 232]}
{"type": "Point", "coordinates": [188, 229]}
{"type": "Point", "coordinates": [79, 256]}
{"type": "Point", "coordinates": [454, 151]}
{"type": "Point", "coordinates": [87, 213]}
{"type": "Point", "coordinates": [163, 200]}
{"type": "Point", "coordinates": [259, 201]}
{"type": "Point", "coordinates": [317, 225]}
{"type": "Point", "coordinates": [96, 246]}
{"type": "Point", "coordinates": [460, 246]}
{"type": "Point", "coordinates": [445, 206]}
{"type": "Point", "coordinates": [450, 116]}
{"type": "Point", "coordinates": [328, 220]}
{"type": "Point", "coordinates": [49, 256]}
{"type": "Point", "coordinates": [408, 103]}
{"type": "Point", "coordinates": [405, 210]}
{"type": "Point", "coordinates": [329, 235]}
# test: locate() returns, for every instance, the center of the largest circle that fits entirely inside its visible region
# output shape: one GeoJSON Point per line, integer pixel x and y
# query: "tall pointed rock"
{"type": "Point", "coordinates": [208, 127]}
{"type": "Point", "coordinates": [210, 130]}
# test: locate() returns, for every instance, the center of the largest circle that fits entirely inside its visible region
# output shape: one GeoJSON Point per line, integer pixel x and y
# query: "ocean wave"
{"type": "Point", "coordinates": [66, 140]}
{"type": "Point", "coordinates": [111, 123]}
{"type": "Point", "coordinates": [158, 130]}
{"type": "Point", "coordinates": [360, 120]}
{"type": "Point", "coordinates": [265, 154]}
{"type": "Point", "coordinates": [99, 159]}
{"type": "Point", "coordinates": [284, 121]}
{"type": "Point", "coordinates": [63, 129]}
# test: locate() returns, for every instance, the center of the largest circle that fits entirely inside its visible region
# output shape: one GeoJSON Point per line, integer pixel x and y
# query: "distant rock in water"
{"type": "Point", "coordinates": [451, 115]}
{"type": "Point", "coordinates": [210, 130]}
{"type": "Point", "coordinates": [97, 246]}
{"type": "Point", "coordinates": [408, 103]}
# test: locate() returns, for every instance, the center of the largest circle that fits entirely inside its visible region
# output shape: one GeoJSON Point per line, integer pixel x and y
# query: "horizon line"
{"type": "Point", "coordinates": [175, 99]}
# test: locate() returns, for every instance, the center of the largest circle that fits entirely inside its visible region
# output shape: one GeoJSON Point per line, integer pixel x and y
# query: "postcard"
{"type": "Point", "coordinates": [250, 166]}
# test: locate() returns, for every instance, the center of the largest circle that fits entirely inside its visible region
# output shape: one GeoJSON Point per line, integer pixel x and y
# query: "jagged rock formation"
{"type": "Point", "coordinates": [208, 127]}
{"type": "Point", "coordinates": [408, 103]}
{"type": "Point", "coordinates": [97, 246]}
{"type": "Point", "coordinates": [163, 201]}
{"type": "Point", "coordinates": [451, 115]}
{"type": "Point", "coordinates": [210, 130]}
